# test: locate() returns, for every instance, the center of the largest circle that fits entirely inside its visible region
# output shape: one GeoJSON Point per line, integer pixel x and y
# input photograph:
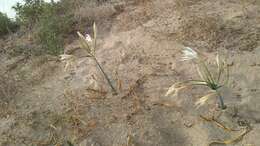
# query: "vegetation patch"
{"type": "Point", "coordinates": [6, 25]}
{"type": "Point", "coordinates": [51, 23]}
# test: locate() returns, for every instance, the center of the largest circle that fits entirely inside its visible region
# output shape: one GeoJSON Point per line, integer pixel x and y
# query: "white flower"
{"type": "Point", "coordinates": [86, 42]}
{"type": "Point", "coordinates": [88, 38]}
{"type": "Point", "coordinates": [189, 54]}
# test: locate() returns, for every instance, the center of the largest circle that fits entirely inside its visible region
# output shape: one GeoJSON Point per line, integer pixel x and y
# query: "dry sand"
{"type": "Point", "coordinates": [139, 48]}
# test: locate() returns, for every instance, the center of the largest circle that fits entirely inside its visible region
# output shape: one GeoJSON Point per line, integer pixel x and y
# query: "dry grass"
{"type": "Point", "coordinates": [213, 32]}
{"type": "Point", "coordinates": [8, 87]}
{"type": "Point", "coordinates": [236, 139]}
{"type": "Point", "coordinates": [195, 30]}
{"type": "Point", "coordinates": [243, 37]}
{"type": "Point", "coordinates": [74, 119]}
{"type": "Point", "coordinates": [180, 4]}
{"type": "Point", "coordinates": [86, 12]}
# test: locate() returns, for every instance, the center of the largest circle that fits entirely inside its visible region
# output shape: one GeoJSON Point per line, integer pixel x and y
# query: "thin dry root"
{"type": "Point", "coordinates": [230, 141]}
{"type": "Point", "coordinates": [234, 140]}
{"type": "Point", "coordinates": [218, 123]}
{"type": "Point", "coordinates": [130, 141]}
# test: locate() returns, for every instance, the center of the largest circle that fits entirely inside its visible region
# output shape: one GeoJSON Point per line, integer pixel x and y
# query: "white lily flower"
{"type": "Point", "coordinates": [189, 54]}
{"type": "Point", "coordinates": [87, 43]}
{"type": "Point", "coordinates": [88, 38]}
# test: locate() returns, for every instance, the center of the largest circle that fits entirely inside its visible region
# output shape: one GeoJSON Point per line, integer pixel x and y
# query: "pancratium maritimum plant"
{"type": "Point", "coordinates": [213, 79]}
{"type": "Point", "coordinates": [89, 44]}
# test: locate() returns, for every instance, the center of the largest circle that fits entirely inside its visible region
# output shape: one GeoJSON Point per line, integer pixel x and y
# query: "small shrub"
{"type": "Point", "coordinates": [52, 28]}
{"type": "Point", "coordinates": [6, 25]}
{"type": "Point", "coordinates": [29, 12]}
{"type": "Point", "coordinates": [51, 22]}
{"type": "Point", "coordinates": [49, 34]}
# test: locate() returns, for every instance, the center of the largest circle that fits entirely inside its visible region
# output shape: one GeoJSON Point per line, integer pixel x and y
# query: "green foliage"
{"type": "Point", "coordinates": [213, 78]}
{"type": "Point", "coordinates": [49, 33]}
{"type": "Point", "coordinates": [51, 23]}
{"type": "Point", "coordinates": [70, 143]}
{"type": "Point", "coordinates": [29, 12]}
{"type": "Point", "coordinates": [6, 25]}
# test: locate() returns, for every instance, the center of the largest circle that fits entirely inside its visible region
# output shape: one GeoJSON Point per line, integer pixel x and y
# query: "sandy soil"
{"type": "Point", "coordinates": [139, 47]}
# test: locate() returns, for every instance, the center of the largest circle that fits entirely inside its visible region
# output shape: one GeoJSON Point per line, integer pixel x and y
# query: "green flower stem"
{"type": "Point", "coordinates": [106, 76]}
{"type": "Point", "coordinates": [221, 101]}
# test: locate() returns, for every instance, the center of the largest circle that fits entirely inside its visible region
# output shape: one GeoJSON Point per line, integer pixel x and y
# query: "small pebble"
{"type": "Point", "coordinates": [188, 124]}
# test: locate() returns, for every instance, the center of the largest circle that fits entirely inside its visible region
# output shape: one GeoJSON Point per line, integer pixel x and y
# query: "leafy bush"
{"type": "Point", "coordinates": [6, 25]}
{"type": "Point", "coordinates": [29, 12]}
{"type": "Point", "coordinates": [51, 22]}
{"type": "Point", "coordinates": [49, 33]}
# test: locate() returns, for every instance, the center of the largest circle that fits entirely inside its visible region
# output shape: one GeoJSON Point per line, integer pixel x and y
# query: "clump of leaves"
{"type": "Point", "coordinates": [30, 11]}
{"type": "Point", "coordinates": [213, 79]}
{"type": "Point", "coordinates": [7, 25]}
{"type": "Point", "coordinates": [50, 21]}
{"type": "Point", "coordinates": [70, 143]}
{"type": "Point", "coordinates": [89, 44]}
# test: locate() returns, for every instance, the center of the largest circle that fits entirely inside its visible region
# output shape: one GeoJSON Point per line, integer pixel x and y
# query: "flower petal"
{"type": "Point", "coordinates": [189, 54]}
{"type": "Point", "coordinates": [88, 38]}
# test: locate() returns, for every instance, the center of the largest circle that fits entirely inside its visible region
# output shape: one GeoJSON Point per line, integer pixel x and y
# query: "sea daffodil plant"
{"type": "Point", "coordinates": [89, 44]}
{"type": "Point", "coordinates": [213, 79]}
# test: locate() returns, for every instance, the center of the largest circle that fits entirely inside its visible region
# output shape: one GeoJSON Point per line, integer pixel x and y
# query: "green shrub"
{"type": "Point", "coordinates": [6, 25]}
{"type": "Point", "coordinates": [52, 28]}
{"type": "Point", "coordinates": [51, 22]}
{"type": "Point", "coordinates": [29, 12]}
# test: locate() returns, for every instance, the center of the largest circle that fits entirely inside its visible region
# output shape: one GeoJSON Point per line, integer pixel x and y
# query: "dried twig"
{"type": "Point", "coordinates": [233, 140]}
{"type": "Point", "coordinates": [230, 141]}
{"type": "Point", "coordinates": [219, 124]}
